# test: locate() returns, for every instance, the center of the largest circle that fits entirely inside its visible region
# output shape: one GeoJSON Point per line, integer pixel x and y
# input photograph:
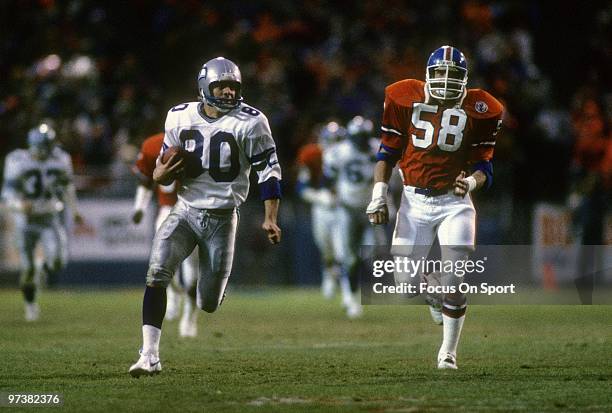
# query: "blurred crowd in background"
{"type": "Point", "coordinates": [105, 74]}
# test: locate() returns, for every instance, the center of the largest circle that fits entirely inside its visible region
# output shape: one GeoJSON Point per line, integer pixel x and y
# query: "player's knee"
{"type": "Point", "coordinates": [455, 299]}
{"type": "Point", "coordinates": [158, 277]}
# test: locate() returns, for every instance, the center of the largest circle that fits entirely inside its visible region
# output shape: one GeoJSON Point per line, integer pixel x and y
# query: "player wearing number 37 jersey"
{"type": "Point", "coordinates": [221, 139]}
{"type": "Point", "coordinates": [442, 136]}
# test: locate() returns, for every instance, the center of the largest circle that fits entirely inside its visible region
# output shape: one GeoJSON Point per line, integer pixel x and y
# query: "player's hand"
{"type": "Point", "coordinates": [273, 231]}
{"type": "Point", "coordinates": [137, 216]}
{"type": "Point", "coordinates": [377, 211]}
{"type": "Point", "coordinates": [461, 187]}
{"type": "Point", "coordinates": [165, 173]}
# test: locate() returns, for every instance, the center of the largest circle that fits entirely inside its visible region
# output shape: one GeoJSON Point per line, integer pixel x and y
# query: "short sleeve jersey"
{"type": "Point", "coordinates": [434, 142]}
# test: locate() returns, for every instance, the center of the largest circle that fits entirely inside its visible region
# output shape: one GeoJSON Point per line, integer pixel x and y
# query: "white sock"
{"type": "Point", "coordinates": [452, 332]}
{"type": "Point", "coordinates": [345, 288]}
{"type": "Point", "coordinates": [150, 339]}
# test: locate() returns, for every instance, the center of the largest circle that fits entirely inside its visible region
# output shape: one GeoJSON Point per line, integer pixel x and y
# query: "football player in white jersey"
{"type": "Point", "coordinates": [313, 189]}
{"type": "Point", "coordinates": [349, 167]}
{"type": "Point", "coordinates": [222, 139]}
{"type": "Point", "coordinates": [38, 186]}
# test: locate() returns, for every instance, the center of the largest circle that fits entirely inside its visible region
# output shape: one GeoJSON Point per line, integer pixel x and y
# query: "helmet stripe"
{"type": "Point", "coordinates": [448, 53]}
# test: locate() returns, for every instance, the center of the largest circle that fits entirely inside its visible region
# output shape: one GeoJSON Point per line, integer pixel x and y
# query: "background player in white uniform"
{"type": "Point", "coordinates": [349, 167]}
{"type": "Point", "coordinates": [223, 138]}
{"type": "Point", "coordinates": [314, 190]}
{"type": "Point", "coordinates": [437, 130]}
{"type": "Point", "coordinates": [38, 186]}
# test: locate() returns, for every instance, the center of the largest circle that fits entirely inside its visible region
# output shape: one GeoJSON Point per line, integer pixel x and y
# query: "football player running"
{"type": "Point", "coordinates": [166, 198]}
{"type": "Point", "coordinates": [349, 167]}
{"type": "Point", "coordinates": [223, 138]}
{"type": "Point", "coordinates": [436, 131]}
{"type": "Point", "coordinates": [38, 186]}
{"type": "Point", "coordinates": [313, 189]}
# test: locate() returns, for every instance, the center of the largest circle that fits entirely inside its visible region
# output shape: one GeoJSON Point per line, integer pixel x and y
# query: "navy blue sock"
{"type": "Point", "coordinates": [154, 306]}
{"type": "Point", "coordinates": [29, 292]}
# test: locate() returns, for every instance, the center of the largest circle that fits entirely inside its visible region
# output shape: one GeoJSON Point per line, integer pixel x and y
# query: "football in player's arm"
{"type": "Point", "coordinates": [442, 136]}
{"type": "Point", "coordinates": [222, 139]}
{"type": "Point", "coordinates": [38, 187]}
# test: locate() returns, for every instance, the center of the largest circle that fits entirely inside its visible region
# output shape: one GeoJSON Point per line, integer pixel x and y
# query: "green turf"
{"type": "Point", "coordinates": [291, 351]}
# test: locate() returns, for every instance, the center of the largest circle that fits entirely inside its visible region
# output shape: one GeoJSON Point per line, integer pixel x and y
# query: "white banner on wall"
{"type": "Point", "coordinates": [108, 233]}
{"type": "Point", "coordinates": [556, 249]}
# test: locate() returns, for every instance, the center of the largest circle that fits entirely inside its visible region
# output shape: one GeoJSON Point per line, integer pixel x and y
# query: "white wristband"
{"type": "Point", "coordinates": [471, 181]}
{"type": "Point", "coordinates": [380, 190]}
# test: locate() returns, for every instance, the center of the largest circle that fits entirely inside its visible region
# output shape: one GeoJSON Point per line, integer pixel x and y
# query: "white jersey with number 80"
{"type": "Point", "coordinates": [227, 147]}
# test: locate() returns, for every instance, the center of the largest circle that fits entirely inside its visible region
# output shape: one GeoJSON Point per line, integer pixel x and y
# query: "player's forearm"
{"type": "Point", "coordinates": [142, 198]}
{"type": "Point", "coordinates": [271, 209]}
{"type": "Point", "coordinates": [382, 172]}
{"type": "Point", "coordinates": [480, 178]}
{"type": "Point", "coordinates": [70, 198]}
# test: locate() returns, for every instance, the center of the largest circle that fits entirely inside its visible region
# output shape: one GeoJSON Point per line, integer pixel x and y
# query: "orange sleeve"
{"type": "Point", "coordinates": [147, 157]}
{"type": "Point", "coordinates": [487, 113]}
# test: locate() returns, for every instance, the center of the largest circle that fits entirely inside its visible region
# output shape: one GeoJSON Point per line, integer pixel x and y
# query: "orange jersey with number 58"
{"type": "Point", "coordinates": [434, 143]}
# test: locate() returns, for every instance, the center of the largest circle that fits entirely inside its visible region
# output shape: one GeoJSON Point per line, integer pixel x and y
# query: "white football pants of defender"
{"type": "Point", "coordinates": [213, 232]}
{"type": "Point", "coordinates": [48, 230]}
{"type": "Point", "coordinates": [420, 218]}
{"type": "Point", "coordinates": [327, 240]}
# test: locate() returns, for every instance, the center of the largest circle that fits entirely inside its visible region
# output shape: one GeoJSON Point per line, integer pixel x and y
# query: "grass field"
{"type": "Point", "coordinates": [290, 351]}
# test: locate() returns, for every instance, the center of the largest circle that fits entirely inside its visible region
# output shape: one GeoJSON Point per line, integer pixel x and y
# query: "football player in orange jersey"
{"type": "Point", "coordinates": [166, 198]}
{"type": "Point", "coordinates": [442, 136]}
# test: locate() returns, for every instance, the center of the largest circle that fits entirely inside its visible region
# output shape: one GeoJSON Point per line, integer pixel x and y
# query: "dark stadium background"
{"type": "Point", "coordinates": [122, 65]}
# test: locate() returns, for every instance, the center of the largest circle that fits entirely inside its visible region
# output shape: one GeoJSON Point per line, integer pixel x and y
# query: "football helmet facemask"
{"type": "Point", "coordinates": [447, 74]}
{"type": "Point", "coordinates": [41, 141]}
{"type": "Point", "coordinates": [218, 70]}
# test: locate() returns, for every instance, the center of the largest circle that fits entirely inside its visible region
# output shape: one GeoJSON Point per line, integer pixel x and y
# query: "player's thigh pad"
{"type": "Point", "coordinates": [414, 226]}
{"type": "Point", "coordinates": [216, 251]}
{"type": "Point", "coordinates": [458, 224]}
{"type": "Point", "coordinates": [173, 242]}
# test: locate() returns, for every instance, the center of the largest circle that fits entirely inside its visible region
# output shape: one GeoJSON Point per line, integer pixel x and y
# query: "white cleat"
{"type": "Point", "coordinates": [32, 312]}
{"type": "Point", "coordinates": [447, 361]}
{"type": "Point", "coordinates": [354, 310]}
{"type": "Point", "coordinates": [147, 365]}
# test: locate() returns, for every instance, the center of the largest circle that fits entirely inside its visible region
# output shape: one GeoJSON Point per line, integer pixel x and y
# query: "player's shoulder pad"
{"type": "Point", "coordinates": [406, 91]}
{"type": "Point", "coordinates": [256, 122]}
{"type": "Point", "coordinates": [18, 156]}
{"type": "Point", "coordinates": [482, 105]}
{"type": "Point", "coordinates": [180, 114]}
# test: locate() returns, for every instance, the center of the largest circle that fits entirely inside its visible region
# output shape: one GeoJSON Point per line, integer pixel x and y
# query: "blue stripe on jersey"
{"type": "Point", "coordinates": [387, 154]}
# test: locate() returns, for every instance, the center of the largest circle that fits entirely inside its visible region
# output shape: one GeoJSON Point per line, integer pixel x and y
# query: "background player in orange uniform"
{"type": "Point", "coordinates": [166, 198]}
{"type": "Point", "coordinates": [436, 131]}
